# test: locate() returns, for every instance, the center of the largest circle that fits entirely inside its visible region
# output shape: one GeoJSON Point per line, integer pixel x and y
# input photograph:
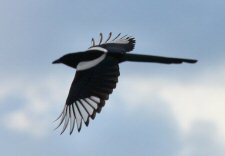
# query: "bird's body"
{"type": "Point", "coordinates": [97, 75]}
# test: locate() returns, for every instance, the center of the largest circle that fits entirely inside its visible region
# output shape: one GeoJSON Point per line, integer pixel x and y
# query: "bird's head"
{"type": "Point", "coordinates": [70, 60]}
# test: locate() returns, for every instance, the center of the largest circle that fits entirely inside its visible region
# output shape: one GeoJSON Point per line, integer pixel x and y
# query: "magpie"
{"type": "Point", "coordinates": [97, 72]}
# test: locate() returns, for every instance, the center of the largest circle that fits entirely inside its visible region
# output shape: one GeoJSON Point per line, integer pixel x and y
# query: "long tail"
{"type": "Point", "coordinates": [155, 59]}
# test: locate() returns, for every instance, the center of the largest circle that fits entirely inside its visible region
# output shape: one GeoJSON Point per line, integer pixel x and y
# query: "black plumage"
{"type": "Point", "coordinates": [97, 75]}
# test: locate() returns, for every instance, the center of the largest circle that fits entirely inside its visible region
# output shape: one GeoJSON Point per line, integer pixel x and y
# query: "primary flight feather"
{"type": "Point", "coordinates": [97, 72]}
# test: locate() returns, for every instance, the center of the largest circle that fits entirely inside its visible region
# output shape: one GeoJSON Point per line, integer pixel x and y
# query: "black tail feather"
{"type": "Point", "coordinates": [155, 59]}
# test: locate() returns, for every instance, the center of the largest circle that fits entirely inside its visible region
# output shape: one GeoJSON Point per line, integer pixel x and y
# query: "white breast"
{"type": "Point", "coordinates": [89, 64]}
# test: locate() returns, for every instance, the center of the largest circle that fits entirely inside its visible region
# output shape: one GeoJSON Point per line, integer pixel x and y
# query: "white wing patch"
{"type": "Point", "coordinates": [80, 110]}
{"type": "Point", "coordinates": [98, 48]}
{"type": "Point", "coordinates": [87, 107]}
{"type": "Point", "coordinates": [78, 116]}
{"type": "Point", "coordinates": [92, 103]}
{"type": "Point", "coordinates": [89, 64]}
{"type": "Point", "coordinates": [96, 99]}
{"type": "Point", "coordinates": [84, 113]}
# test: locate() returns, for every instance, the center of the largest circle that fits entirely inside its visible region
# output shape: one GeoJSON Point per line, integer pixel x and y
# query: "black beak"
{"type": "Point", "coordinates": [56, 61]}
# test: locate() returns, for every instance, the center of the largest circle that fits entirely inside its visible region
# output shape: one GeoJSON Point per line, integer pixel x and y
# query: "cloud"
{"type": "Point", "coordinates": [17, 120]}
{"type": "Point", "coordinates": [34, 114]}
{"type": "Point", "coordinates": [201, 98]}
{"type": "Point", "coordinates": [202, 140]}
{"type": "Point", "coordinates": [22, 121]}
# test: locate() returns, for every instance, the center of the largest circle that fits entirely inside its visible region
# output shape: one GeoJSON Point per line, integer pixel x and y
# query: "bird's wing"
{"type": "Point", "coordinates": [117, 44]}
{"type": "Point", "coordinates": [88, 92]}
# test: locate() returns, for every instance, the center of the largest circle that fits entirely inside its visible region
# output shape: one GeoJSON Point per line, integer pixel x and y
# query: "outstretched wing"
{"type": "Point", "coordinates": [88, 93]}
{"type": "Point", "coordinates": [117, 44]}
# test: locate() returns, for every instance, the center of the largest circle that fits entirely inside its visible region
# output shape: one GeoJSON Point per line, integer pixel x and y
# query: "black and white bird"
{"type": "Point", "coordinates": [97, 72]}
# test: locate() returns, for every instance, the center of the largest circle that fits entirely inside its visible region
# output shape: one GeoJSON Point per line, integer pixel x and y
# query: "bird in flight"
{"type": "Point", "coordinates": [97, 72]}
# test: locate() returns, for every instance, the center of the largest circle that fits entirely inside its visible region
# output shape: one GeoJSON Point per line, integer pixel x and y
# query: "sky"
{"type": "Point", "coordinates": [173, 110]}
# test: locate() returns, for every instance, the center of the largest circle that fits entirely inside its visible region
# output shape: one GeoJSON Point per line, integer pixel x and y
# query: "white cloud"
{"type": "Point", "coordinates": [202, 140]}
{"type": "Point", "coordinates": [17, 120]}
{"type": "Point", "coordinates": [201, 98]}
{"type": "Point", "coordinates": [41, 99]}
{"type": "Point", "coordinates": [21, 121]}
{"type": "Point", "coordinates": [197, 102]}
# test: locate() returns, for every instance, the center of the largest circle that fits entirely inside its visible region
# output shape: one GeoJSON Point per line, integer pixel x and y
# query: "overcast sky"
{"type": "Point", "coordinates": [172, 110]}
